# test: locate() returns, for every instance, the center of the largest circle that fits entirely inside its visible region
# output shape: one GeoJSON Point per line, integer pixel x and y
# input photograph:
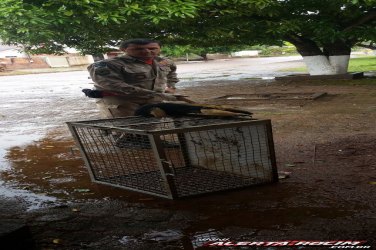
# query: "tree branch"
{"type": "Point", "coordinates": [364, 19]}
{"type": "Point", "coordinates": [305, 46]}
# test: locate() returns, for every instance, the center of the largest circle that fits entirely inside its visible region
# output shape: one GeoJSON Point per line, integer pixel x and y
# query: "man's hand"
{"type": "Point", "coordinates": [170, 90]}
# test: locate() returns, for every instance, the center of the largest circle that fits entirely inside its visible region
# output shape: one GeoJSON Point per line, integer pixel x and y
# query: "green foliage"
{"type": "Point", "coordinates": [177, 50]}
{"type": "Point", "coordinates": [95, 26]}
{"type": "Point", "coordinates": [92, 26]}
{"type": "Point", "coordinates": [278, 51]}
{"type": "Point", "coordinates": [182, 50]}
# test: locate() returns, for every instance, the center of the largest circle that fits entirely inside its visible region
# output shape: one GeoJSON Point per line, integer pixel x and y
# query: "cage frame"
{"type": "Point", "coordinates": [165, 168]}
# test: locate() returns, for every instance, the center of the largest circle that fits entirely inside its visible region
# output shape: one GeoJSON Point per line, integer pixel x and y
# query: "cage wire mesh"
{"type": "Point", "coordinates": [178, 157]}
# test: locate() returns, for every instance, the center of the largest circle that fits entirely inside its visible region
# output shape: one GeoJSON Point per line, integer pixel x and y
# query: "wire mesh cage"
{"type": "Point", "coordinates": [178, 157]}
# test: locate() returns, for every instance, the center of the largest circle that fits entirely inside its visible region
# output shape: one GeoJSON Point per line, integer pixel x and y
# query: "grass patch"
{"type": "Point", "coordinates": [355, 64]}
{"type": "Point", "coordinates": [300, 69]}
{"type": "Point", "coordinates": [362, 64]}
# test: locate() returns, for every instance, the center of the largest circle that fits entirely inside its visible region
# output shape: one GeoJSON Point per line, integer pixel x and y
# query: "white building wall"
{"type": "Point", "coordinates": [57, 62]}
{"type": "Point", "coordinates": [9, 53]}
{"type": "Point", "coordinates": [245, 53]}
{"type": "Point", "coordinates": [80, 60]}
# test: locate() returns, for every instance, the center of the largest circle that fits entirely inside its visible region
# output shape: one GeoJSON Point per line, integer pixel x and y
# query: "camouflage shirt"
{"type": "Point", "coordinates": [131, 76]}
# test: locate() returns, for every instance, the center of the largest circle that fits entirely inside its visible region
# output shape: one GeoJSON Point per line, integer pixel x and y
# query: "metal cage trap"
{"type": "Point", "coordinates": [180, 157]}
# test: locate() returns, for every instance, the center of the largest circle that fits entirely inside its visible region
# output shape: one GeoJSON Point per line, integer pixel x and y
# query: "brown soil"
{"type": "Point", "coordinates": [325, 147]}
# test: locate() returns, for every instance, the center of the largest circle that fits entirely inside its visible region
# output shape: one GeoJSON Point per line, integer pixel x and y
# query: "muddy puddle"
{"type": "Point", "coordinates": [50, 171]}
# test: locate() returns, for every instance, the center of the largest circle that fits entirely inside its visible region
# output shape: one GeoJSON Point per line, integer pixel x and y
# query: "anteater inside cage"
{"type": "Point", "coordinates": [178, 157]}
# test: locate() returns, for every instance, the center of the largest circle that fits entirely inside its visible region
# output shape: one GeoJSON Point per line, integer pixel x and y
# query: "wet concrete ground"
{"type": "Point", "coordinates": [44, 183]}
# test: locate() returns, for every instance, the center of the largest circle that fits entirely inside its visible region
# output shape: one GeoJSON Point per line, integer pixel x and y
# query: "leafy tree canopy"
{"type": "Point", "coordinates": [308, 24]}
{"type": "Point", "coordinates": [93, 26]}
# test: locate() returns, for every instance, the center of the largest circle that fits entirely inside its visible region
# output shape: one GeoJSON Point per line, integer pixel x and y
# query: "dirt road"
{"type": "Point", "coordinates": [326, 146]}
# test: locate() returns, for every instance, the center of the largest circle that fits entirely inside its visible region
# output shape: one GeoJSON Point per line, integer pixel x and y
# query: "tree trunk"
{"type": "Point", "coordinates": [204, 56]}
{"type": "Point", "coordinates": [323, 65]}
{"type": "Point", "coordinates": [332, 59]}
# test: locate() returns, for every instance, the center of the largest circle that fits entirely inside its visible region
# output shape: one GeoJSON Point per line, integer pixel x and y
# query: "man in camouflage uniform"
{"type": "Point", "coordinates": [139, 77]}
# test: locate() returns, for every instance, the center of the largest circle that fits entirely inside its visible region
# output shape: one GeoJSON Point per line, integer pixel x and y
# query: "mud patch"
{"type": "Point", "coordinates": [327, 146]}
